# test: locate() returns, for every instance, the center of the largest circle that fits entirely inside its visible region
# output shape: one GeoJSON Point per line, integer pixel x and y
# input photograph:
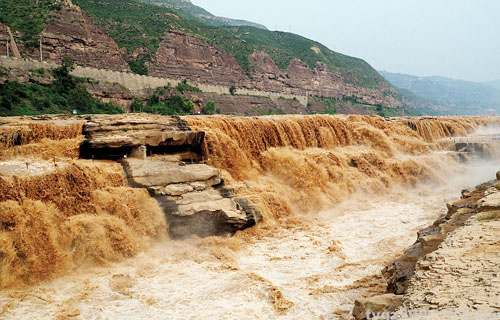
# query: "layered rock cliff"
{"type": "Point", "coordinates": [181, 56]}
{"type": "Point", "coordinates": [187, 55]}
{"type": "Point", "coordinates": [71, 32]}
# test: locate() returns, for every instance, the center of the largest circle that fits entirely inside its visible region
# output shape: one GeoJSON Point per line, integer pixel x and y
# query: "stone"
{"type": "Point", "coordinates": [363, 308]}
{"type": "Point", "coordinates": [177, 189]}
{"type": "Point", "coordinates": [187, 195]}
{"type": "Point", "coordinates": [490, 202]}
{"type": "Point", "coordinates": [123, 132]}
{"type": "Point", "coordinates": [139, 152]}
{"type": "Point", "coordinates": [207, 213]}
{"type": "Point", "coordinates": [151, 173]}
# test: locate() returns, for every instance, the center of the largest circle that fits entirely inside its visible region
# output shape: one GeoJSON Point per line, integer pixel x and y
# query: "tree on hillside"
{"type": "Point", "coordinates": [232, 90]}
{"type": "Point", "coordinates": [210, 108]}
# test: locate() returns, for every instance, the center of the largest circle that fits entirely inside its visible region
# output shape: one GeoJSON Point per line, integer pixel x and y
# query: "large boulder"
{"type": "Point", "coordinates": [490, 202]}
{"type": "Point", "coordinates": [192, 197]}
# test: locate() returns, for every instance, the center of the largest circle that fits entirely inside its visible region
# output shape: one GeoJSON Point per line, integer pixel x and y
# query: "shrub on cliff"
{"type": "Point", "coordinates": [210, 108]}
{"type": "Point", "coordinates": [136, 106]}
{"type": "Point", "coordinates": [18, 99]}
{"type": "Point", "coordinates": [175, 105]}
{"type": "Point", "coordinates": [232, 90]}
{"type": "Point", "coordinates": [184, 86]}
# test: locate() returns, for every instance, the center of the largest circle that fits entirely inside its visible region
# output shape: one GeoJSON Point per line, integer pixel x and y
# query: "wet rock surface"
{"type": "Point", "coordinates": [163, 155]}
{"type": "Point", "coordinates": [192, 197]}
{"type": "Point", "coordinates": [453, 265]}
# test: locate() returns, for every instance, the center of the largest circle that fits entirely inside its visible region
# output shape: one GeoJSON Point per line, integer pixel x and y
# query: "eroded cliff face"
{"type": "Point", "coordinates": [181, 56]}
{"type": "Point", "coordinates": [322, 81]}
{"type": "Point", "coordinates": [72, 33]}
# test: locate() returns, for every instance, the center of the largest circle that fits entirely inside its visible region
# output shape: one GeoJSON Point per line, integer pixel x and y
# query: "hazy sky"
{"type": "Point", "coordinates": [454, 38]}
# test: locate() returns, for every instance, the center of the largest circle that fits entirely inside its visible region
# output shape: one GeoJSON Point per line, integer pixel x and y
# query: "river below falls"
{"type": "Point", "coordinates": [312, 267]}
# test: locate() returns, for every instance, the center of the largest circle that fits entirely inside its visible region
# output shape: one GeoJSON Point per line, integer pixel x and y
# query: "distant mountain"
{"type": "Point", "coordinates": [494, 83]}
{"type": "Point", "coordinates": [456, 96]}
{"type": "Point", "coordinates": [190, 10]}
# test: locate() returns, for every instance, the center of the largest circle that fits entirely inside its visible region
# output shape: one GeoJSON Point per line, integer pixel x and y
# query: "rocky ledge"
{"type": "Point", "coordinates": [110, 136]}
{"type": "Point", "coordinates": [453, 265]}
{"type": "Point", "coordinates": [192, 197]}
{"type": "Point", "coordinates": [163, 155]}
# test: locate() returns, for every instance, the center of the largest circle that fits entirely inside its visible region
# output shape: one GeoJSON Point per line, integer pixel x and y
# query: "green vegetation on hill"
{"type": "Point", "coordinates": [133, 24]}
{"type": "Point", "coordinates": [65, 94]}
{"type": "Point", "coordinates": [27, 16]}
{"type": "Point", "coordinates": [190, 11]}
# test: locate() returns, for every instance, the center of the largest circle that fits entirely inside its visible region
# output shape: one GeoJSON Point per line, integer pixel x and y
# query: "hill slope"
{"type": "Point", "coordinates": [457, 95]}
{"type": "Point", "coordinates": [190, 10]}
{"type": "Point", "coordinates": [494, 83]}
{"type": "Point", "coordinates": [174, 43]}
{"type": "Point", "coordinates": [129, 22]}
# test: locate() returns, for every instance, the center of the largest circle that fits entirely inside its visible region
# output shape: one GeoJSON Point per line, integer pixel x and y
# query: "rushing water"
{"type": "Point", "coordinates": [314, 266]}
{"type": "Point", "coordinates": [340, 196]}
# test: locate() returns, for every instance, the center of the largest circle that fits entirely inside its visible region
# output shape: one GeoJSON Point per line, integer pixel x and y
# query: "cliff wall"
{"type": "Point", "coordinates": [73, 33]}
{"type": "Point", "coordinates": [135, 82]}
{"type": "Point", "coordinates": [181, 56]}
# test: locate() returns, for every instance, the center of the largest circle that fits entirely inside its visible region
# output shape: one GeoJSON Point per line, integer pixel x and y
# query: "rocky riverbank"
{"type": "Point", "coordinates": [452, 267]}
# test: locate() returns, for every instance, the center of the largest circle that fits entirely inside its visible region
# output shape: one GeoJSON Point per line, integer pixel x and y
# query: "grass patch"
{"type": "Point", "coordinates": [27, 16]}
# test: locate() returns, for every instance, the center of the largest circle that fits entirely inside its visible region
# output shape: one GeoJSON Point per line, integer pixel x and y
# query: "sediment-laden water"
{"type": "Point", "coordinates": [341, 196]}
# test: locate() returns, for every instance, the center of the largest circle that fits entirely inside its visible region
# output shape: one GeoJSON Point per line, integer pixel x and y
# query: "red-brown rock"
{"type": "Point", "coordinates": [183, 57]}
{"type": "Point", "coordinates": [72, 33]}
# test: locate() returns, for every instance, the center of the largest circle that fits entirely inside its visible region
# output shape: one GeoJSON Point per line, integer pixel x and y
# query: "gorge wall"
{"type": "Point", "coordinates": [181, 55]}
{"type": "Point", "coordinates": [71, 32]}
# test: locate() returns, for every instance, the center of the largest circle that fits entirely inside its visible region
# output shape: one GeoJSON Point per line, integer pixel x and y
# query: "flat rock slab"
{"type": "Point", "coordinates": [157, 173]}
{"type": "Point", "coordinates": [188, 198]}
{"type": "Point", "coordinates": [490, 202]}
{"type": "Point", "coordinates": [133, 130]}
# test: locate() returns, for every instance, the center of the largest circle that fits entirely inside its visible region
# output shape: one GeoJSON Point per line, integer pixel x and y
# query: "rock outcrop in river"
{"type": "Point", "coordinates": [163, 155]}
